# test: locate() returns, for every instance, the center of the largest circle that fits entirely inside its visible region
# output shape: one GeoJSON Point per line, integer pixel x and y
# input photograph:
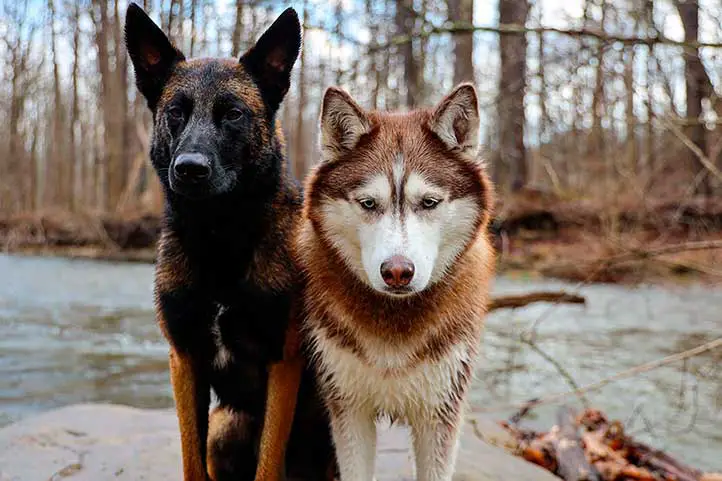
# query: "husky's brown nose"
{"type": "Point", "coordinates": [397, 271]}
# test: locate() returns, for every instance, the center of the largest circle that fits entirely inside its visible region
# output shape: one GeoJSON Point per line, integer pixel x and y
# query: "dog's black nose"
{"type": "Point", "coordinates": [192, 167]}
{"type": "Point", "coordinates": [397, 271]}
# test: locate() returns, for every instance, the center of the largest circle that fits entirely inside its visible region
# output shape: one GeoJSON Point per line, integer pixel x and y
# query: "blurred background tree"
{"type": "Point", "coordinates": [612, 100]}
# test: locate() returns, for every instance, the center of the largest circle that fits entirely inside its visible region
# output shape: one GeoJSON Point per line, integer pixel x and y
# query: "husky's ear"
{"type": "Point", "coordinates": [343, 123]}
{"type": "Point", "coordinates": [271, 59]}
{"type": "Point", "coordinates": [151, 52]}
{"type": "Point", "coordinates": [456, 120]}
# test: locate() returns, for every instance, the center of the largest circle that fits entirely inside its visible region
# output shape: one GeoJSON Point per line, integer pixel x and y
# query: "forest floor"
{"type": "Point", "coordinates": [535, 232]}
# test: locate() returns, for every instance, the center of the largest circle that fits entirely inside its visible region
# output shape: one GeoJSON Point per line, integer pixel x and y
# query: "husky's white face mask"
{"type": "Point", "coordinates": [400, 196]}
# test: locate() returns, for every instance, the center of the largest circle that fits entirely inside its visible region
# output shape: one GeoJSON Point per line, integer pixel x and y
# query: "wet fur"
{"type": "Point", "coordinates": [225, 284]}
{"type": "Point", "coordinates": [410, 358]}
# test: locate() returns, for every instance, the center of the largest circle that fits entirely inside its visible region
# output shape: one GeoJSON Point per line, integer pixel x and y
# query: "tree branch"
{"type": "Point", "coordinates": [505, 29]}
{"type": "Point", "coordinates": [642, 368]}
{"type": "Point", "coordinates": [513, 302]}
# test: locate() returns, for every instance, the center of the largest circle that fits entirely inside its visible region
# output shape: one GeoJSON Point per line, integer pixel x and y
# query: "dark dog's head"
{"type": "Point", "coordinates": [215, 128]}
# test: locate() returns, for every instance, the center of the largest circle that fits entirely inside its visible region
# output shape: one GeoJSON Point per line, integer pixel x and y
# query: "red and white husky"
{"type": "Point", "coordinates": [397, 262]}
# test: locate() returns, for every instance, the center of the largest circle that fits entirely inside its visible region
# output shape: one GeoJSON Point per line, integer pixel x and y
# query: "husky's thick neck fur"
{"type": "Point", "coordinates": [397, 265]}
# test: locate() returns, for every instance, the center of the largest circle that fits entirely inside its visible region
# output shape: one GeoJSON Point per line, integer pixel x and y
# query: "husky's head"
{"type": "Point", "coordinates": [399, 197]}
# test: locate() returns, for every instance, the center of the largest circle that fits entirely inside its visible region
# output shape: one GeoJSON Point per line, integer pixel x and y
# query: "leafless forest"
{"type": "Point", "coordinates": [610, 105]}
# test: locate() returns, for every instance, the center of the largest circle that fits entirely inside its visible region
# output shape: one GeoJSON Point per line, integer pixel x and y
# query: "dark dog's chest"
{"type": "Point", "coordinates": [246, 333]}
{"type": "Point", "coordinates": [234, 327]}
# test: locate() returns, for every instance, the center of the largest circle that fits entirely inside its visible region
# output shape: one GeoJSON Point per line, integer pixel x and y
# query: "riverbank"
{"type": "Point", "coordinates": [79, 331]}
{"type": "Point", "coordinates": [534, 232]}
{"type": "Point", "coordinates": [112, 442]}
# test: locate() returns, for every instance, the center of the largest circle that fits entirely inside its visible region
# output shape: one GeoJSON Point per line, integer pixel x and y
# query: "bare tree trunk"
{"type": "Point", "coordinates": [299, 155]}
{"type": "Point", "coordinates": [191, 49]}
{"type": "Point", "coordinates": [172, 17]}
{"type": "Point", "coordinates": [541, 75]}
{"type": "Point", "coordinates": [237, 29]}
{"type": "Point", "coordinates": [113, 103]}
{"type": "Point", "coordinates": [124, 154]}
{"type": "Point", "coordinates": [56, 158]}
{"type": "Point", "coordinates": [632, 150]}
{"type": "Point", "coordinates": [338, 29]}
{"type": "Point", "coordinates": [180, 34]}
{"type": "Point", "coordinates": [405, 19]}
{"type": "Point", "coordinates": [373, 69]}
{"type": "Point", "coordinates": [597, 140]}
{"type": "Point", "coordinates": [73, 125]}
{"type": "Point", "coordinates": [461, 12]}
{"type": "Point", "coordinates": [33, 199]}
{"type": "Point", "coordinates": [696, 87]}
{"type": "Point", "coordinates": [512, 84]}
{"type": "Point", "coordinates": [18, 185]}
{"type": "Point", "coordinates": [390, 101]}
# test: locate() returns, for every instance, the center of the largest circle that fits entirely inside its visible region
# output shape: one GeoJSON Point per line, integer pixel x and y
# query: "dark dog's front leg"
{"type": "Point", "coordinates": [192, 398]}
{"type": "Point", "coordinates": [184, 316]}
{"type": "Point", "coordinates": [284, 379]}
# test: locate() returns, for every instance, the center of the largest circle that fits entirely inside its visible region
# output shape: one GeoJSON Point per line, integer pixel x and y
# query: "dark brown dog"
{"type": "Point", "coordinates": [225, 285]}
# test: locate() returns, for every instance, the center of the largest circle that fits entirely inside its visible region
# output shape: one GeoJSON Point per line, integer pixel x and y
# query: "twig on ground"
{"type": "Point", "coordinates": [513, 302]}
{"type": "Point", "coordinates": [576, 389]}
{"type": "Point", "coordinates": [642, 368]}
{"type": "Point", "coordinates": [699, 153]}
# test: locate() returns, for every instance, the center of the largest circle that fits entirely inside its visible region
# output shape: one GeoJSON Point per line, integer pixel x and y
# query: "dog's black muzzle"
{"type": "Point", "coordinates": [191, 174]}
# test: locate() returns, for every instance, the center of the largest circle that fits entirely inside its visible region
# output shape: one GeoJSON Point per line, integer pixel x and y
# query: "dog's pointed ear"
{"type": "Point", "coordinates": [456, 120]}
{"type": "Point", "coordinates": [343, 123]}
{"type": "Point", "coordinates": [151, 52]}
{"type": "Point", "coordinates": [271, 59]}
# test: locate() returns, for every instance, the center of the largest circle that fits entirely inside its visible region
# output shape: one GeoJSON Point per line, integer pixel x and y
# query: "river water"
{"type": "Point", "coordinates": [82, 331]}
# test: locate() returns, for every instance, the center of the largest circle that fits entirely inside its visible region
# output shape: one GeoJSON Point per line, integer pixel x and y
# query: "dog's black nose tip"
{"type": "Point", "coordinates": [192, 167]}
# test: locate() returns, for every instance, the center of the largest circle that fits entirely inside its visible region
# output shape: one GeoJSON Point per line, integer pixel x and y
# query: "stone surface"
{"type": "Point", "coordinates": [107, 442]}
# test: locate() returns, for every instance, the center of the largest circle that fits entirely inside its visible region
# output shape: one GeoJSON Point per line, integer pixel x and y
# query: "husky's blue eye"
{"type": "Point", "coordinates": [367, 204]}
{"type": "Point", "coordinates": [430, 202]}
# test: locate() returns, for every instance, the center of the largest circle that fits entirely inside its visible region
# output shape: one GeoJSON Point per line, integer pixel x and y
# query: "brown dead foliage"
{"type": "Point", "coordinates": [589, 446]}
{"type": "Point", "coordinates": [534, 231]}
{"type": "Point", "coordinates": [58, 229]}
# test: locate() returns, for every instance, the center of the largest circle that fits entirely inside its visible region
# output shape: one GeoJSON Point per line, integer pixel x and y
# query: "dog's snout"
{"type": "Point", "coordinates": [192, 167]}
{"type": "Point", "coordinates": [397, 271]}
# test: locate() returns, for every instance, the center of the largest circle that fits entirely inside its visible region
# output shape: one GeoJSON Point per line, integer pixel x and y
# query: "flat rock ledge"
{"type": "Point", "coordinates": [107, 442]}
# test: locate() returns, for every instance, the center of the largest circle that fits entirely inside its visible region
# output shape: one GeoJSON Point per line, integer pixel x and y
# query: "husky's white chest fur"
{"type": "Point", "coordinates": [389, 381]}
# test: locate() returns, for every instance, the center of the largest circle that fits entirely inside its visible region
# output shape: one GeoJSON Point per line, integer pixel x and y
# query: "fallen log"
{"type": "Point", "coordinates": [567, 443]}
{"type": "Point", "coordinates": [513, 302]}
{"type": "Point", "coordinates": [602, 451]}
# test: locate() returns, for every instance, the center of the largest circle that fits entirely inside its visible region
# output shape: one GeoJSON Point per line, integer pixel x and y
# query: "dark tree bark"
{"type": "Point", "coordinates": [461, 12]}
{"type": "Point", "coordinates": [237, 29]}
{"type": "Point", "coordinates": [512, 85]}
{"type": "Point", "coordinates": [75, 154]}
{"type": "Point", "coordinates": [114, 105]}
{"type": "Point", "coordinates": [597, 139]}
{"type": "Point", "coordinates": [191, 48]}
{"type": "Point", "coordinates": [57, 191]}
{"type": "Point", "coordinates": [405, 20]}
{"type": "Point", "coordinates": [697, 87]}
{"type": "Point", "coordinates": [300, 153]}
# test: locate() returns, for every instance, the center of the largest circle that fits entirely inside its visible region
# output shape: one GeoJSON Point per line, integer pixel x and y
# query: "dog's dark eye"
{"type": "Point", "coordinates": [234, 115]}
{"type": "Point", "coordinates": [367, 204]}
{"type": "Point", "coordinates": [430, 203]}
{"type": "Point", "coordinates": [175, 113]}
